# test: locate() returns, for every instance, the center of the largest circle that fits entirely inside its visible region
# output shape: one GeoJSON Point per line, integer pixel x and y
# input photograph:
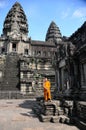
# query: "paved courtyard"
{"type": "Point", "coordinates": [18, 115]}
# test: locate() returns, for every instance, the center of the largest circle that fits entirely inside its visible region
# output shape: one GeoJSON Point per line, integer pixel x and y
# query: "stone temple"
{"type": "Point", "coordinates": [25, 62]}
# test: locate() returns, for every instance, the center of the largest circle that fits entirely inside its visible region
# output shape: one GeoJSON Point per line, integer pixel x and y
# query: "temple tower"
{"type": "Point", "coordinates": [15, 31]}
{"type": "Point", "coordinates": [15, 24]}
{"type": "Point", "coordinates": [53, 33]}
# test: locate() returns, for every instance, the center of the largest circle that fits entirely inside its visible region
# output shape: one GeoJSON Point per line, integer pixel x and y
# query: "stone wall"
{"type": "Point", "coordinates": [32, 72]}
{"type": "Point", "coordinates": [79, 37]}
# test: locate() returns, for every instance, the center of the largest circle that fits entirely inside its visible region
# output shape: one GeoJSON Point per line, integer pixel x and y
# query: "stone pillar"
{"type": "Point", "coordinates": [30, 89]}
{"type": "Point", "coordinates": [56, 79]}
{"type": "Point", "coordinates": [23, 88]}
{"type": "Point", "coordinates": [9, 47]}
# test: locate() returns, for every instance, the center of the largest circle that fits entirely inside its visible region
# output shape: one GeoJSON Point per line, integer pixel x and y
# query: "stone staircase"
{"type": "Point", "coordinates": [51, 111]}
{"type": "Point", "coordinates": [11, 73]}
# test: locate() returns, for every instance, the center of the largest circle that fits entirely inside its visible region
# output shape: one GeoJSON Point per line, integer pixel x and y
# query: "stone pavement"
{"type": "Point", "coordinates": [18, 115]}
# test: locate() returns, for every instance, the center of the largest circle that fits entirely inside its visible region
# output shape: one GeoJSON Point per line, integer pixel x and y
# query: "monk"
{"type": "Point", "coordinates": [47, 86]}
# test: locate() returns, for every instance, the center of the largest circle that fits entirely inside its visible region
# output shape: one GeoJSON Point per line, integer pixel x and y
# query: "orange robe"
{"type": "Point", "coordinates": [47, 93]}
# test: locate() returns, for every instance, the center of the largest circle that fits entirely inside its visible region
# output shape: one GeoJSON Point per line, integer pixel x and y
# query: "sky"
{"type": "Point", "coordinates": [68, 15]}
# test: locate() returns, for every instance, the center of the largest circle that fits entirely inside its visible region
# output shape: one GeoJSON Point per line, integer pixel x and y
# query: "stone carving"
{"type": "Point", "coordinates": [70, 49]}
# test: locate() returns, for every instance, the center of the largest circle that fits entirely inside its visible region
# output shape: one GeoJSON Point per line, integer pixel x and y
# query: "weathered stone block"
{"type": "Point", "coordinates": [44, 118]}
{"type": "Point", "coordinates": [55, 119]}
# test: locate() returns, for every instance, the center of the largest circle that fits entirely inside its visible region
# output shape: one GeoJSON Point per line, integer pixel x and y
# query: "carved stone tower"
{"type": "Point", "coordinates": [15, 24]}
{"type": "Point", "coordinates": [53, 33]}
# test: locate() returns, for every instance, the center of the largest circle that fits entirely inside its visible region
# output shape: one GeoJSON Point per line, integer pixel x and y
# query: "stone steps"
{"type": "Point", "coordinates": [53, 111]}
{"type": "Point", "coordinates": [11, 78]}
{"type": "Point", "coordinates": [59, 118]}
